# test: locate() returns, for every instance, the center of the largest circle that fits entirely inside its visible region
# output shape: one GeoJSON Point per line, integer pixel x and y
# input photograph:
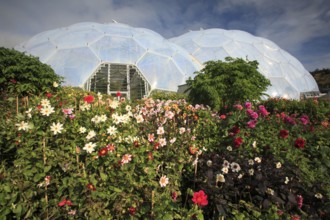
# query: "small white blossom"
{"type": "Point", "coordinates": [162, 142]}
{"type": "Point", "coordinates": [85, 106]}
{"type": "Point", "coordinates": [163, 181]}
{"type": "Point", "coordinates": [139, 118]}
{"type": "Point", "coordinates": [99, 96]}
{"type": "Point", "coordinates": [221, 178]}
{"type": "Point", "coordinates": [251, 172]}
{"type": "Point", "coordinates": [47, 110]}
{"type": "Point", "coordinates": [89, 147]}
{"type": "Point", "coordinates": [270, 191]}
{"type": "Point", "coordinates": [128, 108]}
{"type": "Point", "coordinates": [114, 104]}
{"type": "Point", "coordinates": [240, 176]}
{"type": "Point", "coordinates": [55, 84]}
{"type": "Point", "coordinates": [286, 180]}
{"type": "Point", "coordinates": [251, 162]}
{"type": "Point", "coordinates": [209, 163]}
{"type": "Point", "coordinates": [56, 128]}
{"type": "Point", "coordinates": [254, 144]}
{"type": "Point", "coordinates": [112, 130]}
{"type": "Point", "coordinates": [225, 170]}
{"type": "Point", "coordinates": [90, 135]}
{"type": "Point", "coordinates": [182, 130]}
{"type": "Point", "coordinates": [319, 195]}
{"type": "Point", "coordinates": [235, 167]}
{"type": "Point", "coordinates": [229, 148]}
{"type": "Point", "coordinates": [172, 140]}
{"type": "Point", "coordinates": [23, 126]}
{"type": "Point", "coordinates": [160, 131]}
{"type": "Point", "coordinates": [44, 102]}
{"type": "Point", "coordinates": [28, 112]}
{"type": "Point", "coordinates": [82, 130]}
{"type": "Point", "coordinates": [278, 165]}
{"type": "Point", "coordinates": [257, 160]}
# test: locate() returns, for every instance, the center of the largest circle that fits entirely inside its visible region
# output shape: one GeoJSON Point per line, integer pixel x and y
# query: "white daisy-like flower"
{"type": "Point", "coordinates": [112, 130]}
{"type": "Point", "coordinates": [103, 118]}
{"type": "Point", "coordinates": [114, 104]}
{"type": "Point", "coordinates": [221, 178]}
{"type": "Point", "coordinates": [99, 96]}
{"type": "Point", "coordinates": [254, 144]}
{"type": "Point", "coordinates": [56, 128]}
{"type": "Point", "coordinates": [235, 167]}
{"type": "Point", "coordinates": [278, 165]}
{"type": "Point", "coordinates": [209, 163]}
{"type": "Point", "coordinates": [44, 102]}
{"type": "Point", "coordinates": [160, 131]}
{"type": "Point", "coordinates": [257, 160]}
{"type": "Point", "coordinates": [23, 126]}
{"type": "Point", "coordinates": [85, 106]}
{"type": "Point", "coordinates": [96, 119]}
{"type": "Point", "coordinates": [126, 158]}
{"type": "Point", "coordinates": [251, 162]}
{"type": "Point", "coordinates": [225, 163]}
{"type": "Point", "coordinates": [172, 140]}
{"type": "Point", "coordinates": [89, 147]}
{"type": "Point", "coordinates": [47, 110]}
{"type": "Point", "coordinates": [90, 135]}
{"type": "Point", "coordinates": [182, 130]}
{"type": "Point", "coordinates": [163, 181]}
{"type": "Point", "coordinates": [169, 114]}
{"type": "Point", "coordinates": [240, 176]}
{"type": "Point", "coordinates": [55, 84]}
{"type": "Point", "coordinates": [251, 172]}
{"type": "Point", "coordinates": [139, 118]}
{"type": "Point", "coordinates": [286, 180]}
{"type": "Point", "coordinates": [162, 142]}
{"type": "Point", "coordinates": [82, 130]}
{"type": "Point", "coordinates": [229, 148]}
{"type": "Point", "coordinates": [319, 195]}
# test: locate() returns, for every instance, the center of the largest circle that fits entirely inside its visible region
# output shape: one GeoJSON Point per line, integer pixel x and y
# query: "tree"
{"type": "Point", "coordinates": [224, 83]}
{"type": "Point", "coordinates": [23, 75]}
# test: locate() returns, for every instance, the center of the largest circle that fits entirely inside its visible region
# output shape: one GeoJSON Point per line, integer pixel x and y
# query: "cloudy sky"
{"type": "Point", "coordinates": [301, 27]}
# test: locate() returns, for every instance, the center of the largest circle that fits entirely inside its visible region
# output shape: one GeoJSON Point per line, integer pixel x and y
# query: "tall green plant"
{"type": "Point", "coordinates": [224, 83]}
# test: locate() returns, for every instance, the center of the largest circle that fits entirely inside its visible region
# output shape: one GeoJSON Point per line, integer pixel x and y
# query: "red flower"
{"type": "Point", "coordinates": [299, 143]}
{"type": "Point", "coordinates": [235, 130]}
{"type": "Point", "coordinates": [91, 187]}
{"type": "Point", "coordinates": [111, 147]}
{"type": "Point", "coordinates": [103, 152]}
{"type": "Point", "coordinates": [65, 202]}
{"type": "Point", "coordinates": [299, 200]}
{"type": "Point", "coordinates": [284, 133]}
{"type": "Point", "coordinates": [132, 210]}
{"type": "Point", "coordinates": [174, 196]}
{"type": "Point", "coordinates": [136, 144]}
{"type": "Point", "coordinates": [118, 94]}
{"type": "Point", "coordinates": [48, 95]}
{"type": "Point", "coordinates": [238, 141]}
{"type": "Point", "coordinates": [294, 217]}
{"type": "Point", "coordinates": [89, 99]}
{"type": "Point", "coordinates": [223, 117]}
{"type": "Point", "coordinates": [200, 198]}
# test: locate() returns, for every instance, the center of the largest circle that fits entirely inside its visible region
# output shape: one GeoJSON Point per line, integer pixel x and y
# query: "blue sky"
{"type": "Point", "coordinates": [301, 27]}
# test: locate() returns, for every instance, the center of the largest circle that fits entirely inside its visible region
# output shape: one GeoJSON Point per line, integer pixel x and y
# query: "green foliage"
{"type": "Point", "coordinates": [166, 95]}
{"type": "Point", "coordinates": [23, 75]}
{"type": "Point", "coordinates": [224, 83]}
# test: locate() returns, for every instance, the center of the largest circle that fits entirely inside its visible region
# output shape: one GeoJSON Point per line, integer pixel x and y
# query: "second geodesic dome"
{"type": "Point", "coordinates": [115, 57]}
{"type": "Point", "coordinates": [287, 75]}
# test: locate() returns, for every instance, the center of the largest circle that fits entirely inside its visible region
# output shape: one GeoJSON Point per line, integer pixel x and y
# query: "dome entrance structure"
{"type": "Point", "coordinates": [112, 78]}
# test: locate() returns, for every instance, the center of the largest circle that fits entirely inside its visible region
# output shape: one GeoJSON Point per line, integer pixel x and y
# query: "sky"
{"type": "Point", "coordinates": [301, 27]}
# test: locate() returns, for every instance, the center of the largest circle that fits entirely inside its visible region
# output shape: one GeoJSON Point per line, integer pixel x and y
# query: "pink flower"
{"type": "Point", "coordinates": [251, 123]}
{"type": "Point", "coordinates": [299, 200]}
{"type": "Point", "coordinates": [304, 119]}
{"type": "Point", "coordinates": [200, 198]}
{"type": "Point", "coordinates": [174, 196]}
{"type": "Point", "coordinates": [223, 117]}
{"type": "Point", "coordinates": [65, 202]}
{"type": "Point", "coordinates": [238, 107]}
{"type": "Point", "coordinates": [263, 110]}
{"type": "Point", "coordinates": [248, 105]}
{"type": "Point", "coordinates": [126, 158]}
{"type": "Point", "coordinates": [151, 137]}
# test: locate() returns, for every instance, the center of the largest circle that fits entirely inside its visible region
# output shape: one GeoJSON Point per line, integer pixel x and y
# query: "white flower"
{"type": "Point", "coordinates": [235, 167]}
{"type": "Point", "coordinates": [286, 180]}
{"type": "Point", "coordinates": [209, 163]}
{"type": "Point", "coordinates": [254, 145]}
{"type": "Point", "coordinates": [169, 114]}
{"type": "Point", "coordinates": [28, 112]}
{"type": "Point", "coordinates": [56, 128]}
{"type": "Point", "coordinates": [82, 130]}
{"type": "Point", "coordinates": [257, 159]}
{"type": "Point", "coordinates": [162, 142]}
{"type": "Point", "coordinates": [103, 118]}
{"type": "Point", "coordinates": [55, 84]}
{"type": "Point", "coordinates": [112, 130]}
{"type": "Point", "coordinates": [96, 119]}
{"type": "Point", "coordinates": [90, 135]}
{"type": "Point", "coordinates": [251, 162]}
{"type": "Point", "coordinates": [229, 148]}
{"type": "Point", "coordinates": [23, 126]}
{"type": "Point", "coordinates": [182, 130]}
{"type": "Point", "coordinates": [44, 102]}
{"type": "Point", "coordinates": [251, 172]}
{"type": "Point", "coordinates": [163, 181]}
{"type": "Point", "coordinates": [89, 147]}
{"type": "Point", "coordinates": [270, 191]}
{"type": "Point", "coordinates": [85, 106]}
{"type": "Point", "coordinates": [225, 163]}
{"type": "Point", "coordinates": [114, 104]}
{"type": "Point", "coordinates": [128, 108]}
{"type": "Point", "coordinates": [225, 170]}
{"type": "Point", "coordinates": [319, 195]}
{"type": "Point", "coordinates": [221, 178]}
{"type": "Point", "coordinates": [240, 176]}
{"type": "Point", "coordinates": [160, 130]}
{"type": "Point", "coordinates": [278, 165]}
{"type": "Point", "coordinates": [47, 110]}
{"type": "Point", "coordinates": [99, 96]}
{"type": "Point", "coordinates": [139, 118]}
{"type": "Point", "coordinates": [172, 140]}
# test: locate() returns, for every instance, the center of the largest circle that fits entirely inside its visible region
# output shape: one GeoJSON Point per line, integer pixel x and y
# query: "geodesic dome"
{"type": "Point", "coordinates": [288, 77]}
{"type": "Point", "coordinates": [112, 57]}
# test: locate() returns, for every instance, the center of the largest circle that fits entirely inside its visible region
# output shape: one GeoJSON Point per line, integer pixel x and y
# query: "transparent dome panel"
{"type": "Point", "coordinates": [76, 38]}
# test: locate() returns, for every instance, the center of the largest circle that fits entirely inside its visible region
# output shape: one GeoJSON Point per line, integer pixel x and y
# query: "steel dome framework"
{"type": "Point", "coordinates": [115, 57]}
